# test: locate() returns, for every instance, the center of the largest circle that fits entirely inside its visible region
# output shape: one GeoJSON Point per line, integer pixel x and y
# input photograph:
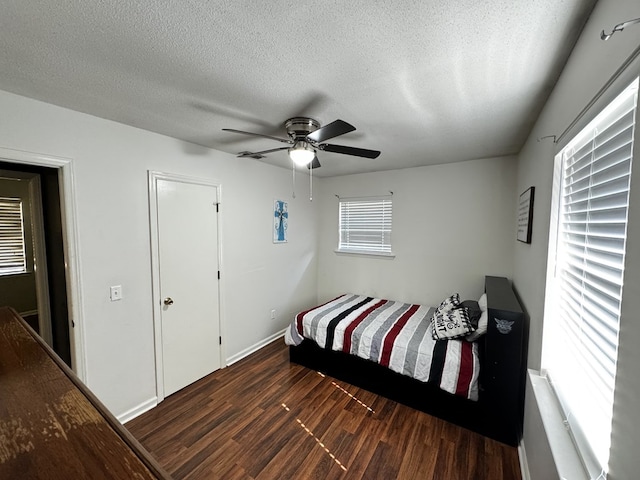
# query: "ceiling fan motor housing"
{"type": "Point", "coordinates": [300, 127]}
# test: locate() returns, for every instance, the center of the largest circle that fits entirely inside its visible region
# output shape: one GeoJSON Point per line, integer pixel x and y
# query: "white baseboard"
{"type": "Point", "coordinates": [524, 465]}
{"type": "Point", "coordinates": [254, 348]}
{"type": "Point", "coordinates": [152, 402]}
{"type": "Point", "coordinates": [137, 410]}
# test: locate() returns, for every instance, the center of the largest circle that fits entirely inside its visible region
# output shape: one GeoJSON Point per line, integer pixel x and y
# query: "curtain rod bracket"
{"type": "Point", "coordinates": [555, 140]}
{"type": "Point", "coordinates": [618, 28]}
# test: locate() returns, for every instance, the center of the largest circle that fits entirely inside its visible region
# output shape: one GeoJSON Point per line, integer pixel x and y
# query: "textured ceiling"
{"type": "Point", "coordinates": [425, 82]}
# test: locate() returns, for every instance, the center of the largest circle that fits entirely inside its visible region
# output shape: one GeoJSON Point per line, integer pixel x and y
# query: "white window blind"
{"type": "Point", "coordinates": [365, 225]}
{"type": "Point", "coordinates": [586, 281]}
{"type": "Point", "coordinates": [12, 251]}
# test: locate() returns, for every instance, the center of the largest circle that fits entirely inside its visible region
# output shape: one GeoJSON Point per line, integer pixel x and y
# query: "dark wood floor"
{"type": "Point", "coordinates": [264, 418]}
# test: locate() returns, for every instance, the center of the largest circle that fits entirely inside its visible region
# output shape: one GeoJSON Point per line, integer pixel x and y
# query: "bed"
{"type": "Point", "coordinates": [478, 385]}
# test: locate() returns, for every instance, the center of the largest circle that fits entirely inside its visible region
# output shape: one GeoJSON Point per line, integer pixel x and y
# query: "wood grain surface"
{"type": "Point", "coordinates": [51, 426]}
{"type": "Point", "coordinates": [264, 418]}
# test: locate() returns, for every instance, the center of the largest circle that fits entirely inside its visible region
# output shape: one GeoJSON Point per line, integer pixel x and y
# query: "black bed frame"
{"type": "Point", "coordinates": [499, 411]}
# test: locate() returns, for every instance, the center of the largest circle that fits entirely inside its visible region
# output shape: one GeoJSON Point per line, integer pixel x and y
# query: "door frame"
{"type": "Point", "coordinates": [70, 242]}
{"type": "Point", "coordinates": [153, 177]}
{"type": "Point", "coordinates": [40, 256]}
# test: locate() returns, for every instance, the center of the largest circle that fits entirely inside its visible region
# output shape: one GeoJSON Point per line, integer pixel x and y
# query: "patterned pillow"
{"type": "Point", "coordinates": [448, 303]}
{"type": "Point", "coordinates": [451, 324]}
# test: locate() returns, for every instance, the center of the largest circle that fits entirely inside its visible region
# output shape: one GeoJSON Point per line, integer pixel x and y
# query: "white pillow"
{"type": "Point", "coordinates": [483, 323]}
{"type": "Point", "coordinates": [482, 302]}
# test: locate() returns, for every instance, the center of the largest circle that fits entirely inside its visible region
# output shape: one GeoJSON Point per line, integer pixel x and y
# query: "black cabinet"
{"type": "Point", "coordinates": [504, 366]}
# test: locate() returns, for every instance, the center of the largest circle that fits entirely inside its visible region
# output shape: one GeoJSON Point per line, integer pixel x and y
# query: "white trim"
{"type": "Point", "coordinates": [365, 253]}
{"type": "Point", "coordinates": [155, 285]}
{"type": "Point", "coordinates": [28, 313]}
{"type": "Point", "coordinates": [567, 460]}
{"type": "Point", "coordinates": [524, 465]}
{"type": "Point", "coordinates": [221, 292]}
{"type": "Point", "coordinates": [40, 256]}
{"type": "Point", "coordinates": [137, 410]}
{"type": "Point", "coordinates": [255, 347]}
{"type": "Point", "coordinates": [70, 243]}
{"type": "Point", "coordinates": [153, 177]}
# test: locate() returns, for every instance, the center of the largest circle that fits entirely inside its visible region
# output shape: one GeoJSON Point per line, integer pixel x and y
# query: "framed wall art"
{"type": "Point", "coordinates": [525, 215]}
{"type": "Point", "coordinates": [280, 221]}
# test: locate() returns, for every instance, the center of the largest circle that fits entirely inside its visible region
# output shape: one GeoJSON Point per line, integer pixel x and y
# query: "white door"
{"type": "Point", "coordinates": [187, 231]}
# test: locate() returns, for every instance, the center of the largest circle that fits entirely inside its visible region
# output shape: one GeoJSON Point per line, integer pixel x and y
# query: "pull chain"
{"type": "Point", "coordinates": [293, 180]}
{"type": "Point", "coordinates": [311, 184]}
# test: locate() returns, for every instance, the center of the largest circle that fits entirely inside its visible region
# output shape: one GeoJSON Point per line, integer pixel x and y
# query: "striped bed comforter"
{"type": "Point", "coordinates": [394, 334]}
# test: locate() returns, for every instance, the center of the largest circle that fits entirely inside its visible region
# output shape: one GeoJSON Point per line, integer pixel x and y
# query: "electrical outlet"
{"type": "Point", "coordinates": [116, 293]}
{"type": "Point", "coordinates": [273, 314]}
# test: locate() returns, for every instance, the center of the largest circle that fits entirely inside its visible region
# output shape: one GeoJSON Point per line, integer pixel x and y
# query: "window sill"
{"type": "Point", "coordinates": [565, 454]}
{"type": "Point", "coordinates": [365, 253]}
{"type": "Point", "coordinates": [16, 274]}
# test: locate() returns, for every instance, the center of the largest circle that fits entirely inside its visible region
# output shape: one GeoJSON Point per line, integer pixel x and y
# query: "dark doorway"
{"type": "Point", "coordinates": [54, 248]}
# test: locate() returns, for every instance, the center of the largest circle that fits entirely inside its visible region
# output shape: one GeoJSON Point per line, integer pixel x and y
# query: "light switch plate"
{"type": "Point", "coordinates": [116, 293]}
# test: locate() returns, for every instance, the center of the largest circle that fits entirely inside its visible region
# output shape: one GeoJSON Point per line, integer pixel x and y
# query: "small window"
{"type": "Point", "coordinates": [12, 249]}
{"type": "Point", "coordinates": [365, 225]}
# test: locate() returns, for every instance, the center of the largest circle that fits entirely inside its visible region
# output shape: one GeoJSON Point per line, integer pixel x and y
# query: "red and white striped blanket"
{"type": "Point", "coordinates": [394, 334]}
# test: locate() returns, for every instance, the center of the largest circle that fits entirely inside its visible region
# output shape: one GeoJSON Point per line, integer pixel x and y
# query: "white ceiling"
{"type": "Point", "coordinates": [425, 82]}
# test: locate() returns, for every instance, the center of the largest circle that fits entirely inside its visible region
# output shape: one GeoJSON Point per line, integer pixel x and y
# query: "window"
{"type": "Point", "coordinates": [586, 272]}
{"type": "Point", "coordinates": [12, 248]}
{"type": "Point", "coordinates": [365, 225]}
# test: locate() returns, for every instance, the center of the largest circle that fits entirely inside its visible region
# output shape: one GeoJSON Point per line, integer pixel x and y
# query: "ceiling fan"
{"type": "Point", "coordinates": [305, 139]}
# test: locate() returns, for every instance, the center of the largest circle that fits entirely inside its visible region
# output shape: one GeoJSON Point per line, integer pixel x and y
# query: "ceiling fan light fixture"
{"type": "Point", "coordinates": [302, 154]}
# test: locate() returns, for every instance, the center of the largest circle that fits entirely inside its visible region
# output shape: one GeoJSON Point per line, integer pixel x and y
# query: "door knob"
{"type": "Point", "coordinates": [168, 301]}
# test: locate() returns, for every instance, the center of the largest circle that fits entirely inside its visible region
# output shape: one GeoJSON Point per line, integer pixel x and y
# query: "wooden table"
{"type": "Point", "coordinates": [51, 425]}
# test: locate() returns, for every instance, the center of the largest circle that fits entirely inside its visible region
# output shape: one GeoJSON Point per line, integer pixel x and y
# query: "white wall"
{"type": "Point", "coordinates": [452, 225]}
{"type": "Point", "coordinates": [111, 161]}
{"type": "Point", "coordinates": [590, 66]}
